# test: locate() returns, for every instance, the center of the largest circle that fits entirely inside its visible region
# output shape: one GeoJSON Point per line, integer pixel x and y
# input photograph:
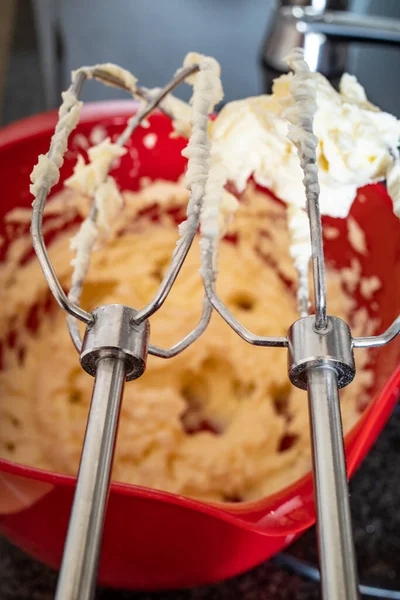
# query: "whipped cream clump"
{"type": "Point", "coordinates": [357, 143]}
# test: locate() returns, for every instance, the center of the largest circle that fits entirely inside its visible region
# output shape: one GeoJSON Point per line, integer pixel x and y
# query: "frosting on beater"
{"type": "Point", "coordinates": [47, 171]}
{"type": "Point", "coordinates": [206, 175]}
{"type": "Point", "coordinates": [217, 211]}
{"type": "Point", "coordinates": [207, 92]}
{"type": "Point", "coordinates": [82, 243]}
{"type": "Point", "coordinates": [181, 112]}
{"type": "Point", "coordinates": [114, 70]}
{"type": "Point", "coordinates": [300, 110]}
{"type": "Point", "coordinates": [300, 252]}
{"type": "Point", "coordinates": [92, 179]}
{"type": "Point", "coordinates": [87, 177]}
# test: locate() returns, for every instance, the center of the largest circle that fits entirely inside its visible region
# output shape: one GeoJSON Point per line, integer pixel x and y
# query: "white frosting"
{"type": "Point", "coordinates": [299, 232]}
{"type": "Point", "coordinates": [208, 63]}
{"type": "Point", "coordinates": [217, 211]}
{"type": "Point", "coordinates": [47, 171]}
{"type": "Point", "coordinates": [353, 92]}
{"type": "Point", "coordinates": [179, 110]}
{"type": "Point", "coordinates": [356, 143]}
{"type": "Point", "coordinates": [82, 243]}
{"type": "Point", "coordinates": [219, 205]}
{"type": "Point", "coordinates": [300, 110]}
{"type": "Point", "coordinates": [108, 201]}
{"type": "Point", "coordinates": [93, 179]}
{"type": "Point", "coordinates": [182, 114]}
{"type": "Point", "coordinates": [300, 114]}
{"type": "Point", "coordinates": [145, 123]}
{"type": "Point", "coordinates": [129, 80]}
{"type": "Point", "coordinates": [88, 177]}
{"type": "Point", "coordinates": [210, 211]}
{"type": "Point", "coordinates": [229, 205]}
{"type": "Point", "coordinates": [205, 167]}
{"type": "Point", "coordinates": [300, 252]}
{"type": "Point", "coordinates": [207, 92]}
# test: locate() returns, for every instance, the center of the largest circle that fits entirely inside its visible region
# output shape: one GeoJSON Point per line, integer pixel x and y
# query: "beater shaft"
{"type": "Point", "coordinates": [324, 355]}
{"type": "Point", "coordinates": [318, 261]}
{"type": "Point", "coordinates": [335, 538]}
{"type": "Point", "coordinates": [77, 579]}
{"type": "Point", "coordinates": [113, 350]}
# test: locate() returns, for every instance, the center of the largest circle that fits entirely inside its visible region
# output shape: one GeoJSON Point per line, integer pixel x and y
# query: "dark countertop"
{"type": "Point", "coordinates": [375, 504]}
{"type": "Point", "coordinates": [23, 579]}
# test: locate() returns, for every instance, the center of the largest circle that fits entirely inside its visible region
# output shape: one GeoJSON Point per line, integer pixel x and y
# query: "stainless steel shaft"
{"type": "Point", "coordinates": [78, 574]}
{"type": "Point", "coordinates": [335, 538]}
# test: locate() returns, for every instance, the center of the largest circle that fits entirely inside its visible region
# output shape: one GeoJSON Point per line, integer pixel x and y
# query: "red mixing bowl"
{"type": "Point", "coordinates": [155, 540]}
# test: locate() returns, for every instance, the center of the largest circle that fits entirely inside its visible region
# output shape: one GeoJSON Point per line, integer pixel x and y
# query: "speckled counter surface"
{"type": "Point", "coordinates": [24, 579]}
{"type": "Point", "coordinates": [375, 502]}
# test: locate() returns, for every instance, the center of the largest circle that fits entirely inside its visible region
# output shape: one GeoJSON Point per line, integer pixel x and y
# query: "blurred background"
{"type": "Point", "coordinates": [41, 41]}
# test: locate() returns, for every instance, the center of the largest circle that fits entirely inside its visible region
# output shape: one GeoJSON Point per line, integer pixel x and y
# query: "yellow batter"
{"type": "Point", "coordinates": [219, 422]}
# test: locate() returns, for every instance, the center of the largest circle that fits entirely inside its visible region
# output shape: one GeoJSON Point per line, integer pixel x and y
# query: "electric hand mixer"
{"type": "Point", "coordinates": [116, 341]}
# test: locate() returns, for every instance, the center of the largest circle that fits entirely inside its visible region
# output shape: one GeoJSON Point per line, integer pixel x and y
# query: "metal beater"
{"type": "Point", "coordinates": [115, 348]}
